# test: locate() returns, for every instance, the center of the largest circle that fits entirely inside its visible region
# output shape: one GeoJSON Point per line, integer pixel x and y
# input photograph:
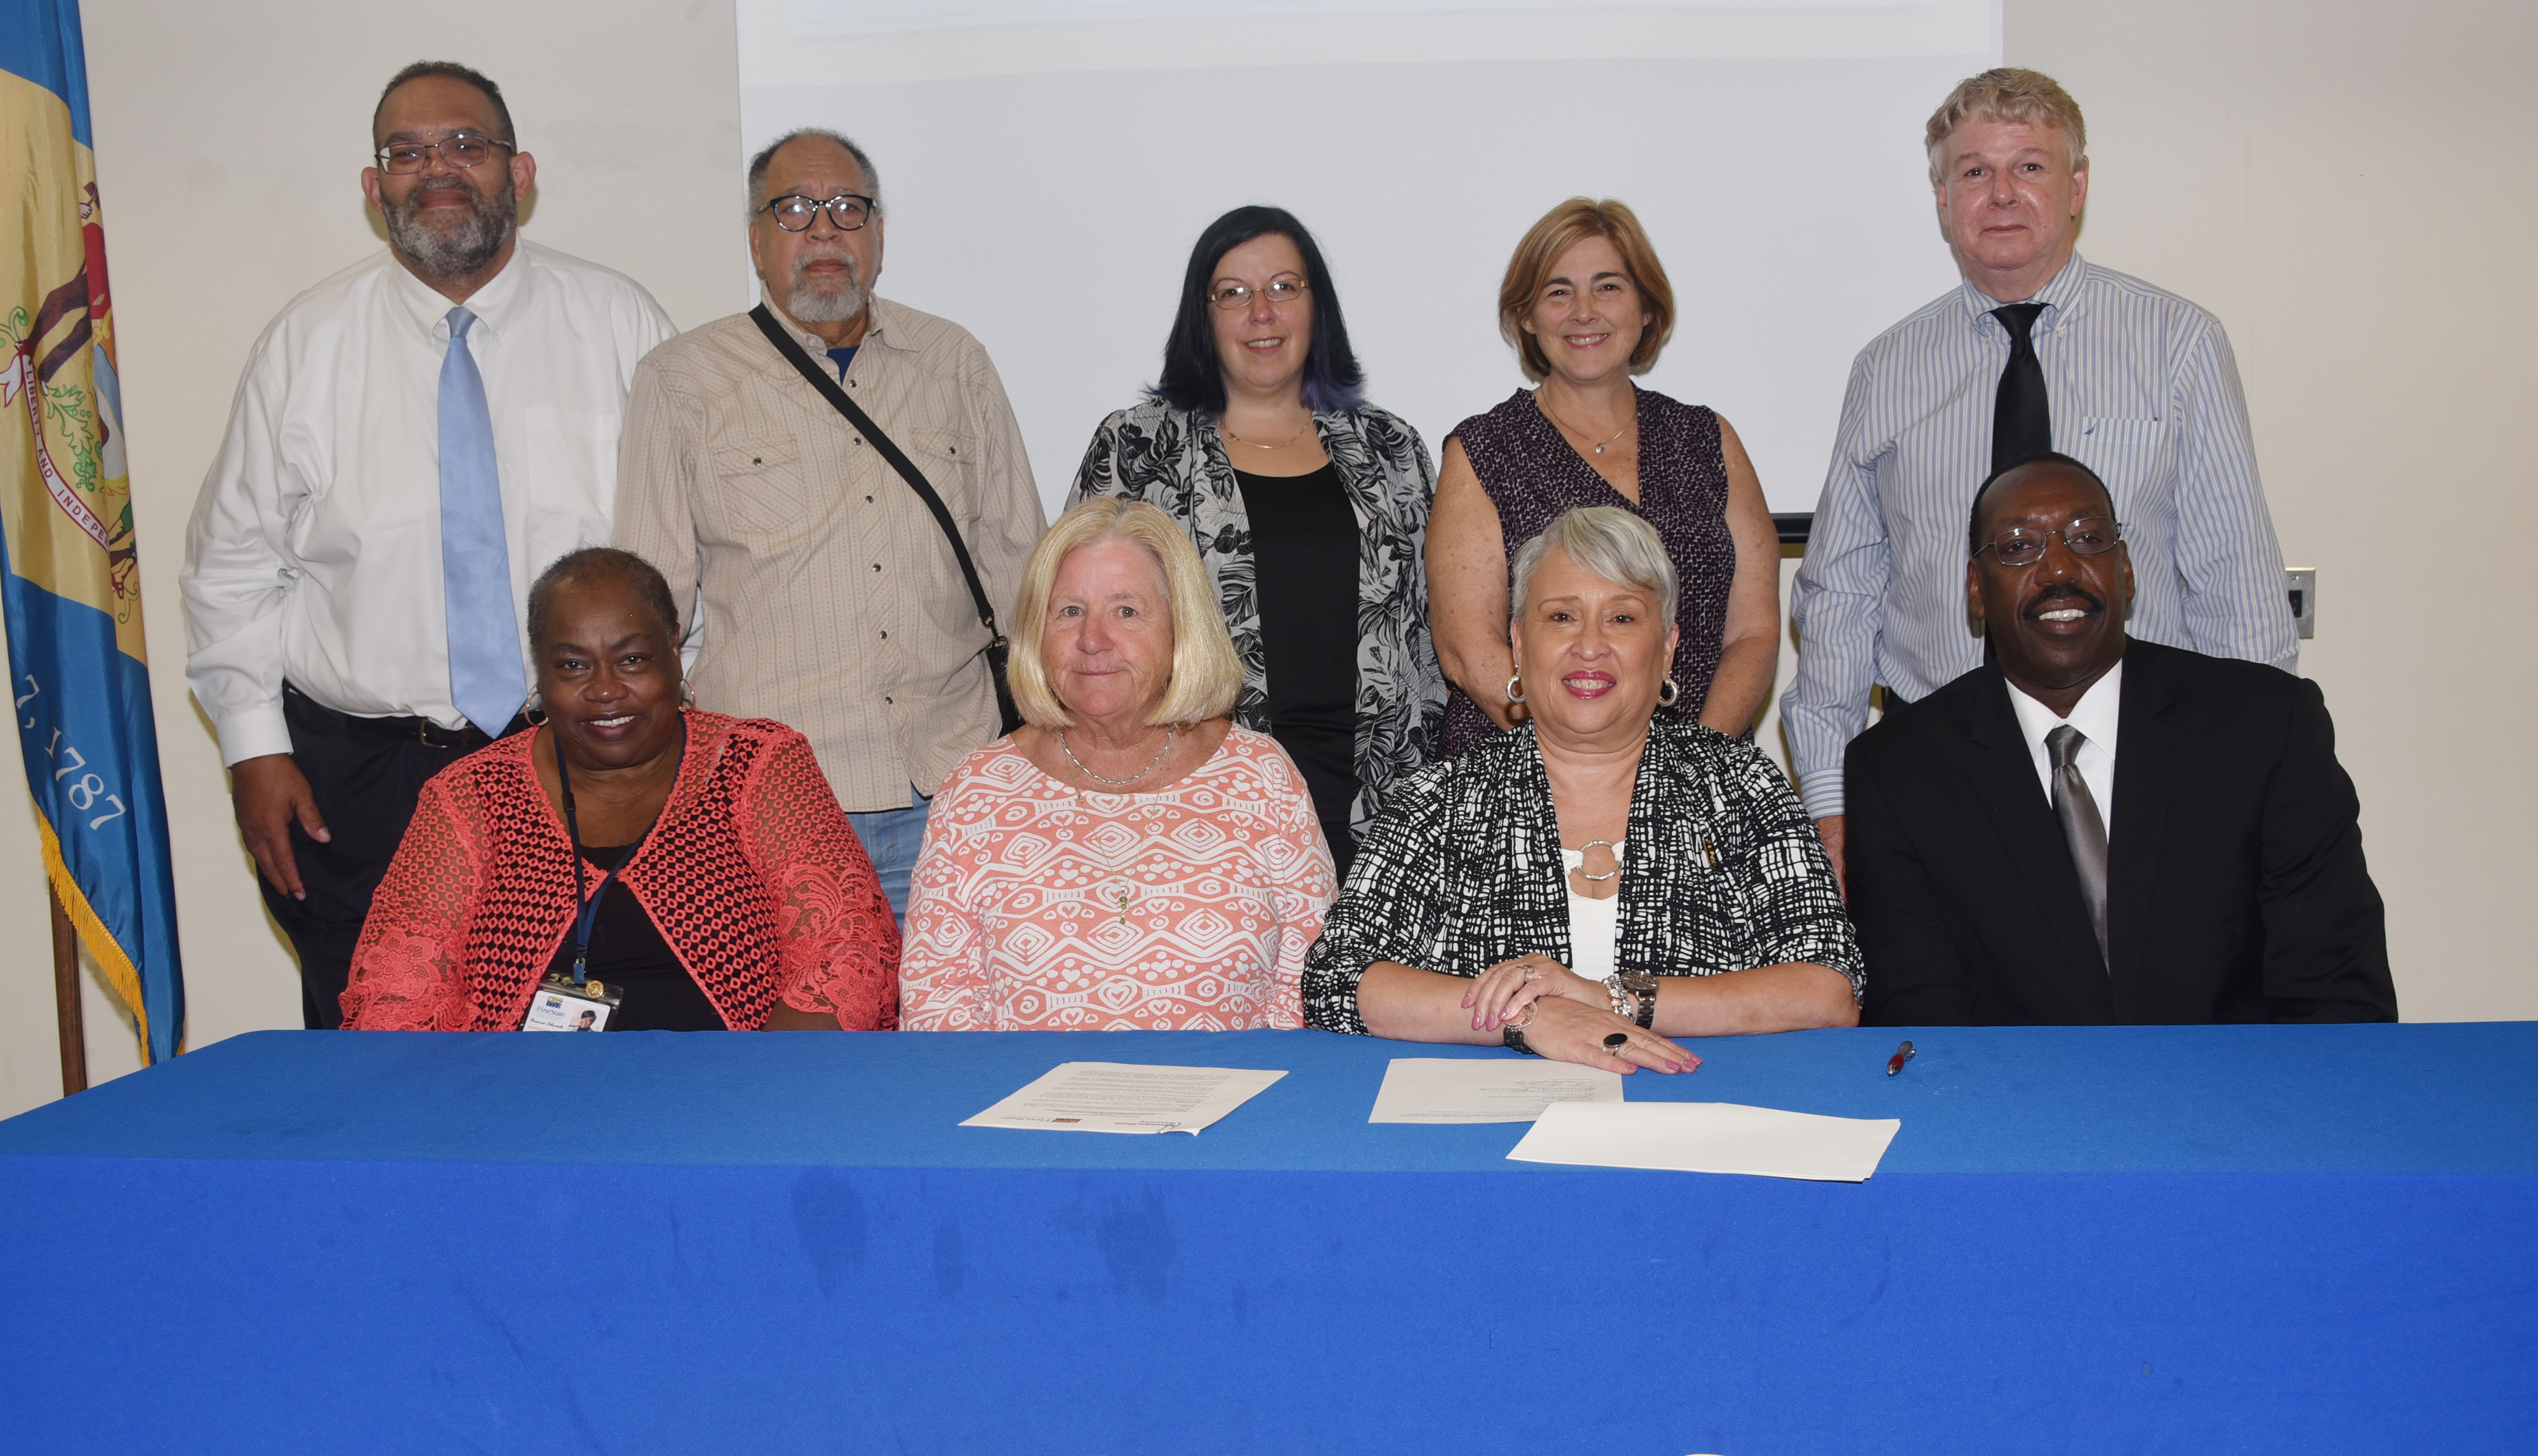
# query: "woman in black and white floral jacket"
{"type": "Point", "coordinates": [1302, 500]}
{"type": "Point", "coordinates": [1600, 880]}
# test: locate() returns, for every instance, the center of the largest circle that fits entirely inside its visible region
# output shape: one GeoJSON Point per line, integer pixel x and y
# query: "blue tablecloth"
{"type": "Point", "coordinates": [2083, 1239]}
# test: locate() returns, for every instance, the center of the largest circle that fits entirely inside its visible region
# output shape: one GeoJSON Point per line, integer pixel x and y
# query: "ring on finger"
{"type": "Point", "coordinates": [1616, 1042]}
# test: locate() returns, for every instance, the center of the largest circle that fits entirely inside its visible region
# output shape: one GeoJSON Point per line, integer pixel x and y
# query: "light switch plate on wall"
{"type": "Point", "coordinates": [2302, 583]}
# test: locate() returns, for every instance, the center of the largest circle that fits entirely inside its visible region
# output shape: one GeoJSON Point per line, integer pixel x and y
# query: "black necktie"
{"type": "Point", "coordinates": [2082, 827]}
{"type": "Point", "coordinates": [2022, 423]}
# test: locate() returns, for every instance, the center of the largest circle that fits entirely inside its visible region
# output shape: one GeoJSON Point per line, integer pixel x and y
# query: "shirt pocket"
{"type": "Point", "coordinates": [761, 487]}
{"type": "Point", "coordinates": [2130, 455]}
{"type": "Point", "coordinates": [942, 457]}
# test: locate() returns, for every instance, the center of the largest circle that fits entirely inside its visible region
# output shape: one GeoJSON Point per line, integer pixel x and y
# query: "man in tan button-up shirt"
{"type": "Point", "coordinates": [829, 599]}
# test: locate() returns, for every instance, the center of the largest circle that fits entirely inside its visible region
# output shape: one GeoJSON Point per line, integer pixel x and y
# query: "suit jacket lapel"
{"type": "Point", "coordinates": [2002, 774]}
{"type": "Point", "coordinates": [2147, 746]}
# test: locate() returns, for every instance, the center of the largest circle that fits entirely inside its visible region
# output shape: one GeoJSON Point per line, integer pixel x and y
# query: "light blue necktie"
{"type": "Point", "coordinates": [485, 678]}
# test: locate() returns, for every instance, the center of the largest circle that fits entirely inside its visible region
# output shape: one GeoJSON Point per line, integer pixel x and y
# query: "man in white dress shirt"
{"type": "Point", "coordinates": [2038, 349]}
{"type": "Point", "coordinates": [411, 442]}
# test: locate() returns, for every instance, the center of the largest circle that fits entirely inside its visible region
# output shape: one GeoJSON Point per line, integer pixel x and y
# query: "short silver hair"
{"type": "Point", "coordinates": [1607, 543]}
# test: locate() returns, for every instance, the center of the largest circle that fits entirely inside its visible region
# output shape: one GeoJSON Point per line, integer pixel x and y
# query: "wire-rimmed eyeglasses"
{"type": "Point", "coordinates": [1232, 296]}
{"type": "Point", "coordinates": [460, 149]}
{"type": "Point", "coordinates": [2086, 537]}
{"type": "Point", "coordinates": [847, 211]}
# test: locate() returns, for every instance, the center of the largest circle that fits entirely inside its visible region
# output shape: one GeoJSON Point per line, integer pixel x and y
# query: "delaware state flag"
{"type": "Point", "coordinates": [71, 583]}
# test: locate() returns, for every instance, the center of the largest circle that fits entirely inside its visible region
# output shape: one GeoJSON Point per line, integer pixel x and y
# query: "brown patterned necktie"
{"type": "Point", "coordinates": [2082, 827]}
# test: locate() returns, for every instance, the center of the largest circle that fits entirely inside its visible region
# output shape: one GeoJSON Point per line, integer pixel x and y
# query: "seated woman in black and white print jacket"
{"type": "Point", "coordinates": [1594, 883]}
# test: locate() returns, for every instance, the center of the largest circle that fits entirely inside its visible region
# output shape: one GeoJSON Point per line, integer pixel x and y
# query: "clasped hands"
{"type": "Point", "coordinates": [1572, 1017]}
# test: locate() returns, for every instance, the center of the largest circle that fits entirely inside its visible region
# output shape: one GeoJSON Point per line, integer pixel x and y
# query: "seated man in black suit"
{"type": "Point", "coordinates": [2093, 829]}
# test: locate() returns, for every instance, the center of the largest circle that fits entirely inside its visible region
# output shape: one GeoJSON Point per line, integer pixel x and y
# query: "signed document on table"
{"type": "Point", "coordinates": [1485, 1088]}
{"type": "Point", "coordinates": [1126, 1098]}
{"type": "Point", "coordinates": [1709, 1138]}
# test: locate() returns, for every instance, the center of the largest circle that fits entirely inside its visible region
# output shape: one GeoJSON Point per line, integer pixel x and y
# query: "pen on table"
{"type": "Point", "coordinates": [1895, 1062]}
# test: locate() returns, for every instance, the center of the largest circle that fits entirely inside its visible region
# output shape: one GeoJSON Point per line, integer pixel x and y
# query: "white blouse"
{"type": "Point", "coordinates": [1594, 925]}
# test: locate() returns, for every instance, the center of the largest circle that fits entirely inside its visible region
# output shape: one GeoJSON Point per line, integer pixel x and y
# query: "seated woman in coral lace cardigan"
{"type": "Point", "coordinates": [693, 866]}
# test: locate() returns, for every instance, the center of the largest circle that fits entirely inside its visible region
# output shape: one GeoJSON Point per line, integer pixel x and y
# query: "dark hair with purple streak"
{"type": "Point", "coordinates": [1194, 380]}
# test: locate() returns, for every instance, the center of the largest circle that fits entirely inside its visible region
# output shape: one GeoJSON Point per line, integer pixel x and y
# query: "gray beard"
{"type": "Point", "coordinates": [453, 248]}
{"type": "Point", "coordinates": [823, 303]}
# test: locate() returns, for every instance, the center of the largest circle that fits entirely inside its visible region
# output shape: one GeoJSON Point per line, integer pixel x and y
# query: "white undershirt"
{"type": "Point", "coordinates": [2094, 715]}
{"type": "Point", "coordinates": [1594, 925]}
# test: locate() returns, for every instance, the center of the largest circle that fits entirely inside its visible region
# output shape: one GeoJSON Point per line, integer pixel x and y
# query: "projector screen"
{"type": "Point", "coordinates": [1045, 165]}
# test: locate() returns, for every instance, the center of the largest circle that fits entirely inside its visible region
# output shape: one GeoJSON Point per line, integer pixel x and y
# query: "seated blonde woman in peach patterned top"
{"type": "Point", "coordinates": [1129, 860]}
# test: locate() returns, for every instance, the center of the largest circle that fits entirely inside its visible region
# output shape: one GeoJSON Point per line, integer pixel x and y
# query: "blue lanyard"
{"type": "Point", "coordinates": [587, 920]}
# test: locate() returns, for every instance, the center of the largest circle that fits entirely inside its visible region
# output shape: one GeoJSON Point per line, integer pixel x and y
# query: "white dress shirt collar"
{"type": "Point", "coordinates": [2094, 715]}
{"type": "Point", "coordinates": [498, 305]}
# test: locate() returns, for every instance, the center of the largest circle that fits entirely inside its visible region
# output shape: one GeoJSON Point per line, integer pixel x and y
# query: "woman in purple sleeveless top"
{"type": "Point", "coordinates": [1588, 305]}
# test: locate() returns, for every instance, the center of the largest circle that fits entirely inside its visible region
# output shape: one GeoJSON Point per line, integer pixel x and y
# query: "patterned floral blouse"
{"type": "Point", "coordinates": [752, 875]}
{"type": "Point", "coordinates": [1176, 460]}
{"type": "Point", "coordinates": [1463, 871]}
{"type": "Point", "coordinates": [1037, 906]}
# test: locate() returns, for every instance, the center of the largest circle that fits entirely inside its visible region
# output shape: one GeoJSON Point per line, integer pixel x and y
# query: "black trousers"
{"type": "Point", "coordinates": [365, 775]}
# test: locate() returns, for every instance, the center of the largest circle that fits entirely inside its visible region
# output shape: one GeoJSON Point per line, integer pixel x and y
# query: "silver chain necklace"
{"type": "Point", "coordinates": [1117, 783]}
{"type": "Point", "coordinates": [1573, 430]}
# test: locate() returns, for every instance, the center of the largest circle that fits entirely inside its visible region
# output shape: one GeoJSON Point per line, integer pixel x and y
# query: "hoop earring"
{"type": "Point", "coordinates": [1515, 688]}
{"type": "Point", "coordinates": [1667, 692]}
{"type": "Point", "coordinates": [686, 694]}
{"type": "Point", "coordinates": [534, 712]}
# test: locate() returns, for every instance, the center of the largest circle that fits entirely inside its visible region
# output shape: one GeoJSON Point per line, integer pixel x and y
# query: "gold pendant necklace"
{"type": "Point", "coordinates": [1228, 432]}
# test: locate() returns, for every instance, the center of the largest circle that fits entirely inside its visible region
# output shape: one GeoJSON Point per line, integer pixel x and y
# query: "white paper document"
{"type": "Point", "coordinates": [1708, 1138]}
{"type": "Point", "coordinates": [1486, 1089]}
{"type": "Point", "coordinates": [1126, 1098]}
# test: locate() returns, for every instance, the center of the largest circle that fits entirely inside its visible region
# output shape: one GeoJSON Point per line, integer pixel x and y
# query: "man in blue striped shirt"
{"type": "Point", "coordinates": [2140, 384]}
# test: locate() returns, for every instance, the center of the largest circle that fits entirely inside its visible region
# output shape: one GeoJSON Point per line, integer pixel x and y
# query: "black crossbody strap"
{"type": "Point", "coordinates": [786, 345]}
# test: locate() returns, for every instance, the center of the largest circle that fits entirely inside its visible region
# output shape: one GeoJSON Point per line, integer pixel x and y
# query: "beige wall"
{"type": "Point", "coordinates": [2354, 188]}
{"type": "Point", "coordinates": [2348, 186]}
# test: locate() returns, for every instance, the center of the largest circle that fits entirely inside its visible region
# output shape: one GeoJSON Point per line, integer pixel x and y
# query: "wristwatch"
{"type": "Point", "coordinates": [1643, 989]}
{"type": "Point", "coordinates": [1511, 1034]}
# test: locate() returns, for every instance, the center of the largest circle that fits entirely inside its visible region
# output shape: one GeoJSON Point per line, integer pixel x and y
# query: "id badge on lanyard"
{"type": "Point", "coordinates": [575, 1002]}
{"type": "Point", "coordinates": [562, 1006]}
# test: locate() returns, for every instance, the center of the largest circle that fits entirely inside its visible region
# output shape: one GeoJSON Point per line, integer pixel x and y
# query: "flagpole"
{"type": "Point", "coordinates": [66, 1000]}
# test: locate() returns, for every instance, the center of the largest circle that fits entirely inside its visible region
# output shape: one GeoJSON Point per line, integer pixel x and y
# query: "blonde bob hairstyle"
{"type": "Point", "coordinates": [1206, 674]}
{"type": "Point", "coordinates": [2006, 94]}
{"type": "Point", "coordinates": [1562, 229]}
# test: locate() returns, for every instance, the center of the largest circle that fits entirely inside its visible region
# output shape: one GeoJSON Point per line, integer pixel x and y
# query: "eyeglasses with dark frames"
{"type": "Point", "coordinates": [460, 149]}
{"type": "Point", "coordinates": [2086, 537]}
{"type": "Point", "coordinates": [847, 211]}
